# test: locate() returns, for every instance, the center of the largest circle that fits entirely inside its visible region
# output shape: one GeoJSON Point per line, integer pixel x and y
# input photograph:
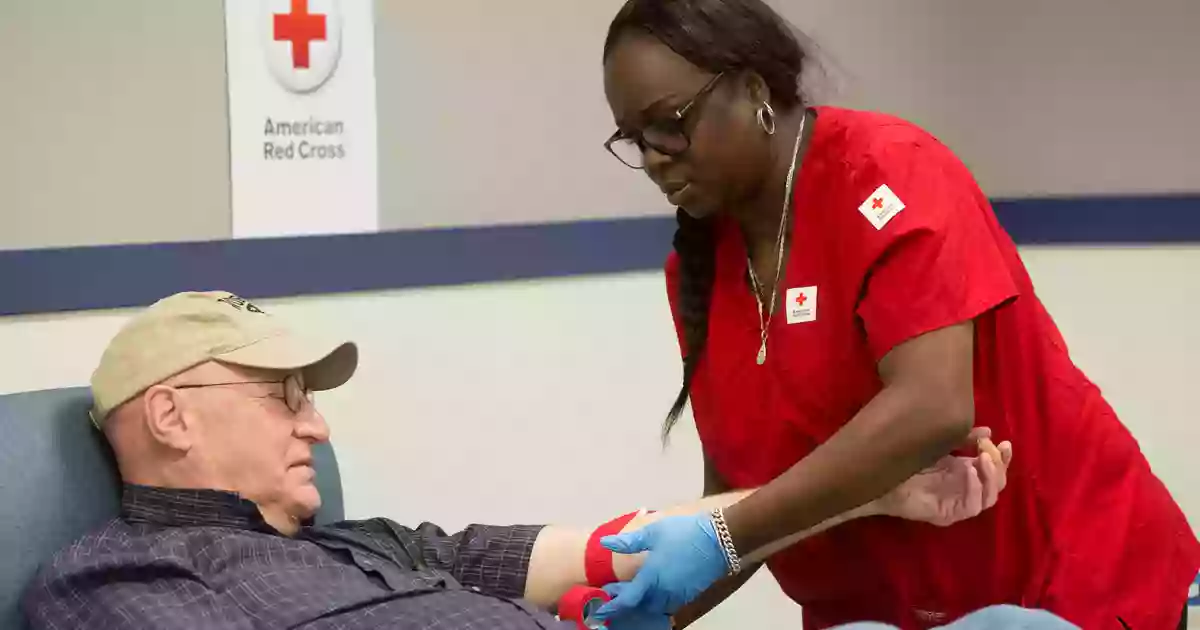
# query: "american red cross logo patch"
{"type": "Point", "coordinates": [881, 207]}
{"type": "Point", "coordinates": [801, 305]}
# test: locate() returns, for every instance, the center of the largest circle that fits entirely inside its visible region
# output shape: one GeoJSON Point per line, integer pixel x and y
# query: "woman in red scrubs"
{"type": "Point", "coordinates": [848, 307]}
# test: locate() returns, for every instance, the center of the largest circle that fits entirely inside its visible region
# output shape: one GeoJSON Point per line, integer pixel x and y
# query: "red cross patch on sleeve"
{"type": "Point", "coordinates": [881, 206]}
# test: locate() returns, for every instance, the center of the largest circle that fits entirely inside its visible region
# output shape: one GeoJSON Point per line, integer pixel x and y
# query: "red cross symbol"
{"type": "Point", "coordinates": [877, 203]}
{"type": "Point", "coordinates": [801, 299]}
{"type": "Point", "coordinates": [301, 28]}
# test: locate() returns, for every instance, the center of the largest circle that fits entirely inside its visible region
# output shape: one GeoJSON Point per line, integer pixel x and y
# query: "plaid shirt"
{"type": "Point", "coordinates": [192, 559]}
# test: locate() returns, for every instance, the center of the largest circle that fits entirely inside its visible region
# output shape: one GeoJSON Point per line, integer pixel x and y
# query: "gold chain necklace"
{"type": "Point", "coordinates": [764, 321]}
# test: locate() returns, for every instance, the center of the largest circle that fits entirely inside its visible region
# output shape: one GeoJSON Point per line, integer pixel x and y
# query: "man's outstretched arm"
{"type": "Point", "coordinates": [556, 563]}
{"type": "Point", "coordinates": [955, 489]}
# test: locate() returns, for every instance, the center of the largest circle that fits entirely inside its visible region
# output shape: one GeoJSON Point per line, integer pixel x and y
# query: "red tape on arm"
{"type": "Point", "coordinates": [598, 561]}
{"type": "Point", "coordinates": [573, 605]}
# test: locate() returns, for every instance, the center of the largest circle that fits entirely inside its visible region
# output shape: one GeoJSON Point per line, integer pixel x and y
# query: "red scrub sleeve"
{"type": "Point", "coordinates": [936, 263]}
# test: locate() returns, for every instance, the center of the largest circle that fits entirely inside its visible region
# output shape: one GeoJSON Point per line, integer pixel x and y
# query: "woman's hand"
{"type": "Point", "coordinates": [637, 619]}
{"type": "Point", "coordinates": [685, 559]}
{"type": "Point", "coordinates": [955, 488]}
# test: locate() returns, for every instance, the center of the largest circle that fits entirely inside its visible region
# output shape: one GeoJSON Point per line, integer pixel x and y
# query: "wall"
{"type": "Point", "coordinates": [113, 122]}
{"type": "Point", "coordinates": [510, 80]}
{"type": "Point", "coordinates": [1040, 98]}
{"type": "Point", "coordinates": [1109, 81]}
{"type": "Point", "coordinates": [518, 372]}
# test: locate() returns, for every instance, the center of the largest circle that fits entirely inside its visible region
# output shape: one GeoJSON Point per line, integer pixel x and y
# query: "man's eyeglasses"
{"type": "Point", "coordinates": [295, 395]}
{"type": "Point", "coordinates": [668, 136]}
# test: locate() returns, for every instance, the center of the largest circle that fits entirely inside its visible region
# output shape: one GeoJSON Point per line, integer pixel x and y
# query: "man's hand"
{"type": "Point", "coordinates": [955, 488]}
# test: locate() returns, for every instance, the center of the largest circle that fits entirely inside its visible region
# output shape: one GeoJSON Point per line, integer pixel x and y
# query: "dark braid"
{"type": "Point", "coordinates": [695, 244]}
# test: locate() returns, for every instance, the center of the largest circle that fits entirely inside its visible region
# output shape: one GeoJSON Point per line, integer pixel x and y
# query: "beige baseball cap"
{"type": "Point", "coordinates": [184, 330]}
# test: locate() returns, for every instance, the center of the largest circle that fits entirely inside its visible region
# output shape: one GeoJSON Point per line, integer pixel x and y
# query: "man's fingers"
{"type": "Point", "coordinates": [975, 491]}
{"type": "Point", "coordinates": [985, 446]}
{"type": "Point", "coordinates": [989, 472]}
{"type": "Point", "coordinates": [993, 467]}
{"type": "Point", "coordinates": [976, 434]}
{"type": "Point", "coordinates": [1001, 462]}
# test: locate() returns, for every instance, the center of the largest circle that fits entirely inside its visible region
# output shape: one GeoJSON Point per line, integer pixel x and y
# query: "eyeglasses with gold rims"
{"type": "Point", "coordinates": [296, 396]}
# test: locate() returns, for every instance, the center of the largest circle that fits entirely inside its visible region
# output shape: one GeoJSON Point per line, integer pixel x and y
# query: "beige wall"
{"type": "Point", "coordinates": [493, 112]}
{"type": "Point", "coordinates": [113, 122]}
{"type": "Point", "coordinates": [1077, 96]}
{"type": "Point", "coordinates": [116, 130]}
{"type": "Point", "coordinates": [1068, 97]}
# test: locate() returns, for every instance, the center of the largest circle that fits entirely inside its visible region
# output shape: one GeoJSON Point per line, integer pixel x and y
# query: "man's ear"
{"type": "Point", "coordinates": [165, 420]}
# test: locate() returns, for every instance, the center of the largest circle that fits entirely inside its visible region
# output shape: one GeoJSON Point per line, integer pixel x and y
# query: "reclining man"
{"type": "Point", "coordinates": [207, 403]}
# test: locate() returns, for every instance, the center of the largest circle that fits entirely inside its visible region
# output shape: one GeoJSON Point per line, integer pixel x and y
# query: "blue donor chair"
{"type": "Point", "coordinates": [58, 481]}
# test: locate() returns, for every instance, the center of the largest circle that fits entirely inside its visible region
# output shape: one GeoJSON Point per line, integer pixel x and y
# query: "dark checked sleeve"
{"type": "Point", "coordinates": [491, 558]}
{"type": "Point", "coordinates": [79, 589]}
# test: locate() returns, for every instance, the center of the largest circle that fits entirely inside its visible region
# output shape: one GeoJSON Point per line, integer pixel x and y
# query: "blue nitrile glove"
{"type": "Point", "coordinates": [684, 560]}
{"type": "Point", "coordinates": [635, 619]}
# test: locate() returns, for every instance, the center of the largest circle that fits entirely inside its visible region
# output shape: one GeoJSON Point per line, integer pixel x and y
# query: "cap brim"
{"type": "Point", "coordinates": [324, 365]}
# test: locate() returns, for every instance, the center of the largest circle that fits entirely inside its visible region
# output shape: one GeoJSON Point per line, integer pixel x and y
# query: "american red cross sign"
{"type": "Point", "coordinates": [301, 28]}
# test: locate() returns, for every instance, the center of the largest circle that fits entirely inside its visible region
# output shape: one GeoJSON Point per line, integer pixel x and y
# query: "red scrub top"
{"type": "Point", "coordinates": [1083, 529]}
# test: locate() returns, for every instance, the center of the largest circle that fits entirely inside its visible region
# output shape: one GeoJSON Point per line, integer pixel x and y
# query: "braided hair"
{"type": "Point", "coordinates": [695, 245]}
{"type": "Point", "coordinates": [718, 36]}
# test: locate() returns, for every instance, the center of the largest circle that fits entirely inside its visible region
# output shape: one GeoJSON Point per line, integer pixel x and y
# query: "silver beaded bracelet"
{"type": "Point", "coordinates": [726, 540]}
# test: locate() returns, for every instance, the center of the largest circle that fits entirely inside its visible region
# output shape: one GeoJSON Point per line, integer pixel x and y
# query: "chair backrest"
{"type": "Point", "coordinates": [58, 480]}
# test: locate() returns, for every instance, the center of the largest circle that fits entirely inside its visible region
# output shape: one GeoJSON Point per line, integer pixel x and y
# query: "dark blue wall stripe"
{"type": "Point", "coordinates": [68, 279]}
{"type": "Point", "coordinates": [46, 280]}
{"type": "Point", "coordinates": [1102, 220]}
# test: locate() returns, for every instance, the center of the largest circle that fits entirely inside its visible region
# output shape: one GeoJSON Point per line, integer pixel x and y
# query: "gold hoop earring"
{"type": "Point", "coordinates": [766, 118]}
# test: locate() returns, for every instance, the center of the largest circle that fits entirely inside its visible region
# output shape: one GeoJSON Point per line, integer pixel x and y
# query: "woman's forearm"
{"type": "Point", "coordinates": [890, 439]}
{"type": "Point", "coordinates": [627, 565]}
{"type": "Point", "coordinates": [713, 597]}
{"type": "Point", "coordinates": [726, 587]}
{"type": "Point", "coordinates": [925, 409]}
